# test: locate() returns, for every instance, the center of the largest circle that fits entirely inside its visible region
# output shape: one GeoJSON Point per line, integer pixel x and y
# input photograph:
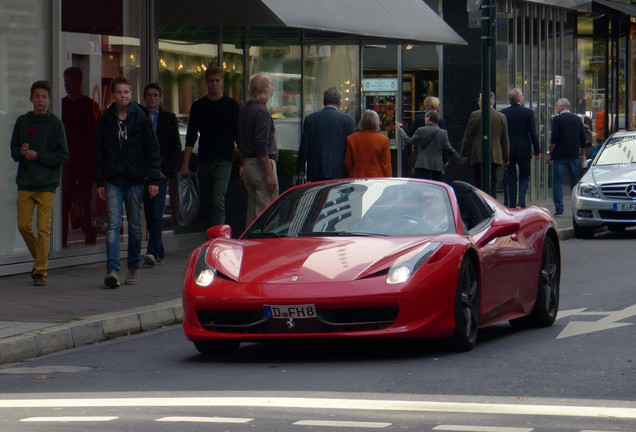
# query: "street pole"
{"type": "Point", "coordinates": [487, 7]}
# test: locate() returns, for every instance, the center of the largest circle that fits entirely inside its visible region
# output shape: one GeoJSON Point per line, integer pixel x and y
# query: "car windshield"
{"type": "Point", "coordinates": [618, 150]}
{"type": "Point", "coordinates": [357, 208]}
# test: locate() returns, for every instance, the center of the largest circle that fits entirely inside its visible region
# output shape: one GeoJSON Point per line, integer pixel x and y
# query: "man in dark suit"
{"type": "Point", "coordinates": [567, 150]}
{"type": "Point", "coordinates": [523, 143]}
{"type": "Point", "coordinates": [499, 146]}
{"type": "Point", "coordinates": [324, 140]}
{"type": "Point", "coordinates": [166, 128]}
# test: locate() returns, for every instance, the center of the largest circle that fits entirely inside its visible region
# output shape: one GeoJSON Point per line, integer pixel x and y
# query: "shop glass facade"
{"type": "Point", "coordinates": [25, 40]}
{"type": "Point", "coordinates": [547, 50]}
{"type": "Point", "coordinates": [533, 52]}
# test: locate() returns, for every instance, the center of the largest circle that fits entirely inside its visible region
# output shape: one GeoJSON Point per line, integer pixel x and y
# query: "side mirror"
{"type": "Point", "coordinates": [587, 163]}
{"type": "Point", "coordinates": [219, 231]}
{"type": "Point", "coordinates": [498, 228]}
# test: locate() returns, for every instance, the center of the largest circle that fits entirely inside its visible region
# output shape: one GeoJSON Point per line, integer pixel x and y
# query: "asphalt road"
{"type": "Point", "coordinates": [578, 375]}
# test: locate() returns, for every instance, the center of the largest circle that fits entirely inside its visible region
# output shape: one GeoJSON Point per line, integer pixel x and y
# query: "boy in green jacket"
{"type": "Point", "coordinates": [38, 144]}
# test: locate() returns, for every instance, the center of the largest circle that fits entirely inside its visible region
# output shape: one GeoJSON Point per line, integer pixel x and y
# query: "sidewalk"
{"type": "Point", "coordinates": [74, 309]}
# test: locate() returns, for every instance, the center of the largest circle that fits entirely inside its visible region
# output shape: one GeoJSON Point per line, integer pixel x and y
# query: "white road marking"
{"type": "Point", "coordinates": [327, 403]}
{"type": "Point", "coordinates": [461, 428]}
{"type": "Point", "coordinates": [68, 419]}
{"type": "Point", "coordinates": [205, 419]}
{"type": "Point", "coordinates": [40, 370]}
{"type": "Point", "coordinates": [332, 423]}
{"type": "Point", "coordinates": [575, 328]}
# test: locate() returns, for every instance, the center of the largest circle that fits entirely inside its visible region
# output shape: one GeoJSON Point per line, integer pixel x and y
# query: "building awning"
{"type": "Point", "coordinates": [405, 21]}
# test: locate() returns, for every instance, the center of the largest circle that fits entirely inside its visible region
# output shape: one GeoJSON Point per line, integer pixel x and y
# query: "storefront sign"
{"type": "Point", "coordinates": [380, 85]}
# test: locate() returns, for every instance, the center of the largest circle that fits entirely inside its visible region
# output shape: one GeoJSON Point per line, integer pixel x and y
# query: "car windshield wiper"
{"type": "Point", "coordinates": [265, 235]}
{"type": "Point", "coordinates": [338, 234]}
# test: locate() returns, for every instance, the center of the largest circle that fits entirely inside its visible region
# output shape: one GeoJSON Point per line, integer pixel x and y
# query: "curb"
{"type": "Point", "coordinates": [93, 329]}
{"type": "Point", "coordinates": [566, 233]}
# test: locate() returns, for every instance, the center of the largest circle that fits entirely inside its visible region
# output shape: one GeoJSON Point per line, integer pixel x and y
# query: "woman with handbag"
{"type": "Point", "coordinates": [430, 144]}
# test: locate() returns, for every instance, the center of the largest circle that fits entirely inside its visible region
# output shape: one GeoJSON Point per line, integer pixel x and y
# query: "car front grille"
{"type": "Point", "coordinates": [328, 321]}
{"type": "Point", "coordinates": [609, 214]}
{"type": "Point", "coordinates": [617, 191]}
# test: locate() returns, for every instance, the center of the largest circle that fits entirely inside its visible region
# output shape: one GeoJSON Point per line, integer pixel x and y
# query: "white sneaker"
{"type": "Point", "coordinates": [149, 259]}
{"type": "Point", "coordinates": [111, 280]}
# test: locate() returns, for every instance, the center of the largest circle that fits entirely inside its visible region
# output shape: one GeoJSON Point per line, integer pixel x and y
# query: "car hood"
{"type": "Point", "coordinates": [308, 260]}
{"type": "Point", "coordinates": [601, 174]}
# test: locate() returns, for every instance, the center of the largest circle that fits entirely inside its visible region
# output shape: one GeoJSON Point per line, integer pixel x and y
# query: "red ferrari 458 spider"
{"type": "Point", "coordinates": [381, 258]}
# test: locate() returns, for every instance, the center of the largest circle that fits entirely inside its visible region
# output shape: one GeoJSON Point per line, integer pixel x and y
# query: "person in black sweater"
{"type": "Point", "coordinates": [214, 121]}
{"type": "Point", "coordinates": [166, 128]}
{"type": "Point", "coordinates": [567, 150]}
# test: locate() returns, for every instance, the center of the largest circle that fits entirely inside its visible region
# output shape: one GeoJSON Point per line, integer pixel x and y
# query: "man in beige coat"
{"type": "Point", "coordinates": [499, 146]}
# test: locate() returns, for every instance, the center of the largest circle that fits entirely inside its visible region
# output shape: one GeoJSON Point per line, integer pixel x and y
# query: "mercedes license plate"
{"type": "Point", "coordinates": [625, 206]}
{"type": "Point", "coordinates": [290, 311]}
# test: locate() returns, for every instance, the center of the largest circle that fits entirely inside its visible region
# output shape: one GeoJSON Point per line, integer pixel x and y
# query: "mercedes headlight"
{"type": "Point", "coordinates": [203, 273]}
{"type": "Point", "coordinates": [587, 190]}
{"type": "Point", "coordinates": [403, 271]}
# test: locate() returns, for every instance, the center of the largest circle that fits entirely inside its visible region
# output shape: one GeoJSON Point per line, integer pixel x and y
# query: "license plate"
{"type": "Point", "coordinates": [625, 206]}
{"type": "Point", "coordinates": [290, 311]}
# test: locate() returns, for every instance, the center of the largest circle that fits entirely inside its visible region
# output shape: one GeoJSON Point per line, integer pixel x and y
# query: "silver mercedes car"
{"type": "Point", "coordinates": [606, 194]}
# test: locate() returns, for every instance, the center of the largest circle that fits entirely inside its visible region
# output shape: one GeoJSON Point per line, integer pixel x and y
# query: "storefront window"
{"type": "Point", "coordinates": [283, 64]}
{"type": "Point", "coordinates": [99, 42]}
{"type": "Point", "coordinates": [592, 71]}
{"type": "Point", "coordinates": [632, 82]}
{"type": "Point", "coordinates": [182, 67]}
{"type": "Point", "coordinates": [25, 37]}
{"type": "Point", "coordinates": [329, 66]}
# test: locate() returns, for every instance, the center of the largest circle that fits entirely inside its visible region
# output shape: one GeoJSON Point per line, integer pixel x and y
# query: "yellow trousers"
{"type": "Point", "coordinates": [39, 245]}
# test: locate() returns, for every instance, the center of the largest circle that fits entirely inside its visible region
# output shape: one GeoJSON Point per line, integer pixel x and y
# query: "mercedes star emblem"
{"type": "Point", "coordinates": [630, 191]}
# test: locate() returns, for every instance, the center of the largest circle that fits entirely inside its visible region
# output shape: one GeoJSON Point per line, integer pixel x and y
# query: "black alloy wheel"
{"type": "Point", "coordinates": [466, 307]}
{"type": "Point", "coordinates": [546, 305]}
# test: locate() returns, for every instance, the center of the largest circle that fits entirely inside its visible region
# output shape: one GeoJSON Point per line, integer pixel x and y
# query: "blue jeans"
{"type": "Point", "coordinates": [560, 166]}
{"type": "Point", "coordinates": [524, 181]}
{"type": "Point", "coordinates": [213, 180]}
{"type": "Point", "coordinates": [153, 209]}
{"type": "Point", "coordinates": [115, 199]}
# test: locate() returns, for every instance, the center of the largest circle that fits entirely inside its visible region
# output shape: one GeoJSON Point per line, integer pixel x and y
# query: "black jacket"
{"type": "Point", "coordinates": [169, 143]}
{"type": "Point", "coordinates": [568, 135]}
{"type": "Point", "coordinates": [521, 131]}
{"type": "Point", "coordinates": [136, 159]}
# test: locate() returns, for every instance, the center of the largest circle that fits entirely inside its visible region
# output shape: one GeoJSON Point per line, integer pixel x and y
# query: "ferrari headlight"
{"type": "Point", "coordinates": [587, 190]}
{"type": "Point", "coordinates": [203, 273]}
{"type": "Point", "coordinates": [402, 272]}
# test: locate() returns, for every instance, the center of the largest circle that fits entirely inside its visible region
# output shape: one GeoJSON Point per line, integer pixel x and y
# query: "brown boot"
{"type": "Point", "coordinates": [39, 279]}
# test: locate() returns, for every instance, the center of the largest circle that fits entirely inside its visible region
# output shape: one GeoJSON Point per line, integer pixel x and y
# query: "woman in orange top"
{"type": "Point", "coordinates": [368, 152]}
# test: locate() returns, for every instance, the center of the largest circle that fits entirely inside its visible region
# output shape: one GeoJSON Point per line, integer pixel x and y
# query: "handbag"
{"type": "Point", "coordinates": [188, 198]}
{"type": "Point", "coordinates": [416, 153]}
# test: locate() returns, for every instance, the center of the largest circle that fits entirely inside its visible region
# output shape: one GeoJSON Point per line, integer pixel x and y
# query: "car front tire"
{"type": "Point", "coordinates": [581, 232]}
{"type": "Point", "coordinates": [466, 307]}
